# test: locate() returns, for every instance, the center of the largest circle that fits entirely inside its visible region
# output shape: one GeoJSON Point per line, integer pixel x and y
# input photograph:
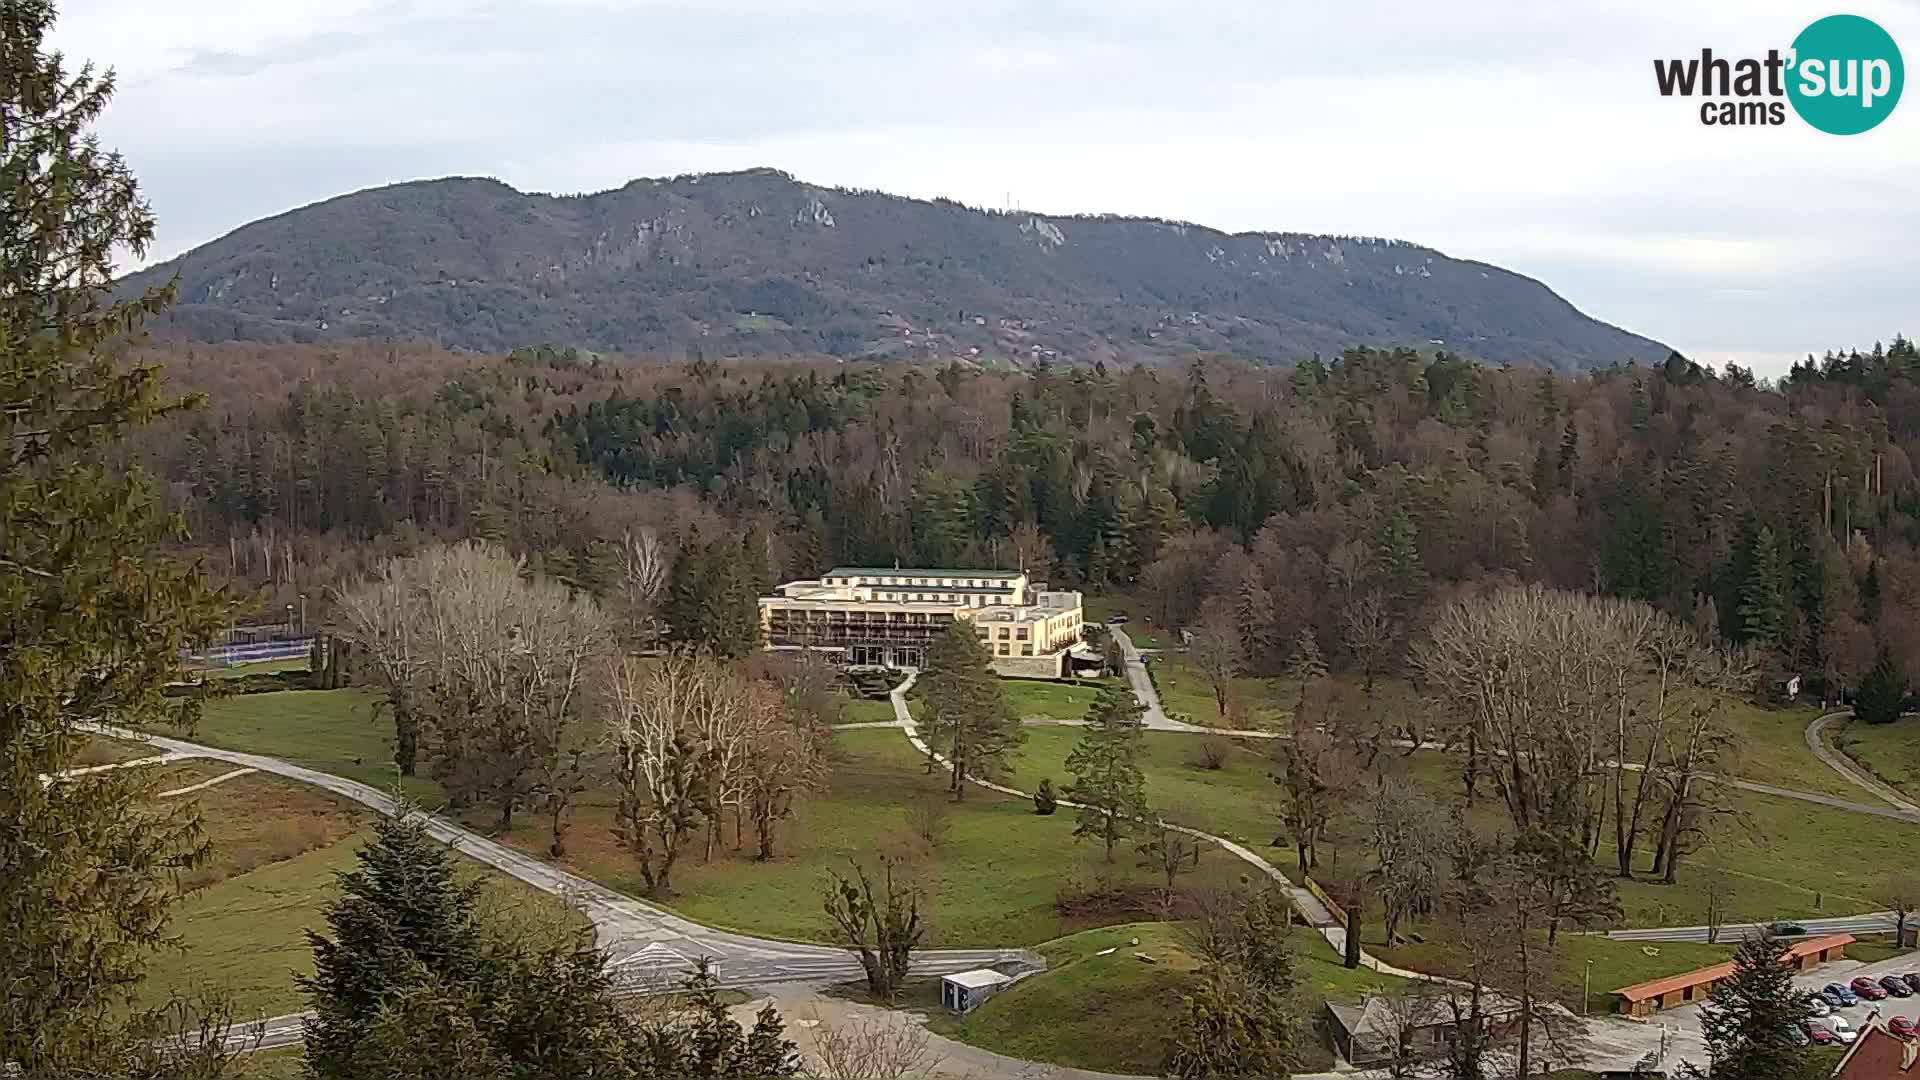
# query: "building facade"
{"type": "Point", "coordinates": [877, 617]}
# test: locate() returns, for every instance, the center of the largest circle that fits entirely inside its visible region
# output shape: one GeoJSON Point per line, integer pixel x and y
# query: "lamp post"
{"type": "Point", "coordinates": [303, 614]}
{"type": "Point", "coordinates": [1587, 992]}
{"type": "Point", "coordinates": [289, 620]}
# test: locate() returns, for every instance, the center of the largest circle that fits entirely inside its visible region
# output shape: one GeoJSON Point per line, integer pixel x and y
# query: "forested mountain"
{"type": "Point", "coordinates": [759, 264]}
{"type": "Point", "coordinates": [1340, 500]}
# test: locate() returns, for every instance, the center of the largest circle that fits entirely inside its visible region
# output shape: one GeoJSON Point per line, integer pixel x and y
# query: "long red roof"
{"type": "Point", "coordinates": [1662, 987]}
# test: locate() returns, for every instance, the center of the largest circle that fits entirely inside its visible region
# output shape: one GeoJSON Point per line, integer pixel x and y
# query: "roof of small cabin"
{"type": "Point", "coordinates": [1656, 988]}
{"type": "Point", "coordinates": [915, 571]}
{"type": "Point", "coordinates": [978, 978]}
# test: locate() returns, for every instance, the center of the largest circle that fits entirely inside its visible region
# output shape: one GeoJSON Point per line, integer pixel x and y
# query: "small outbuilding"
{"type": "Point", "coordinates": [965, 991]}
{"type": "Point", "coordinates": [1645, 999]}
{"type": "Point", "coordinates": [1413, 1026]}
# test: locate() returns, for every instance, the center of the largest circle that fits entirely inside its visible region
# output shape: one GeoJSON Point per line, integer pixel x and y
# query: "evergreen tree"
{"type": "Point", "coordinates": [1105, 764]}
{"type": "Point", "coordinates": [403, 919]}
{"type": "Point", "coordinates": [1883, 692]}
{"type": "Point", "coordinates": [1747, 1019]}
{"type": "Point", "coordinates": [1763, 599]}
{"type": "Point", "coordinates": [967, 715]}
{"type": "Point", "coordinates": [93, 618]}
{"type": "Point", "coordinates": [712, 603]}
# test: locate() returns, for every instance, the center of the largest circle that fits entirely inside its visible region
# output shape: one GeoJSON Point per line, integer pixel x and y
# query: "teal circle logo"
{"type": "Point", "coordinates": [1846, 75]}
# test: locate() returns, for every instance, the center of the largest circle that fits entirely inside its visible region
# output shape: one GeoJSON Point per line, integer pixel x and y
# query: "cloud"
{"type": "Point", "coordinates": [1520, 133]}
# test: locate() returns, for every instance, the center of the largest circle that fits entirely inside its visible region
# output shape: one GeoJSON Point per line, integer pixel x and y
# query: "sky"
{"type": "Point", "coordinates": [1526, 134]}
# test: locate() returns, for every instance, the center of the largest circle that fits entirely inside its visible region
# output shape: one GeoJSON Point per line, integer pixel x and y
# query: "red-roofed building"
{"type": "Point", "coordinates": [1647, 998]}
{"type": "Point", "coordinates": [1880, 1055]}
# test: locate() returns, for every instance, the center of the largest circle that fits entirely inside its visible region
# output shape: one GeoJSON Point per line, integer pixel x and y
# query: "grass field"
{"type": "Point", "coordinates": [993, 878]}
{"type": "Point", "coordinates": [1140, 629]}
{"type": "Point", "coordinates": [1237, 800]}
{"type": "Point", "coordinates": [1112, 1013]}
{"type": "Point", "coordinates": [334, 731]}
{"type": "Point", "coordinates": [101, 750]}
{"type": "Point", "coordinates": [245, 936]}
{"type": "Point", "coordinates": [865, 711]}
{"type": "Point", "coordinates": [1262, 703]}
{"type": "Point", "coordinates": [1890, 751]}
{"type": "Point", "coordinates": [1052, 700]}
{"type": "Point", "coordinates": [1615, 963]}
{"type": "Point", "coordinates": [1790, 858]}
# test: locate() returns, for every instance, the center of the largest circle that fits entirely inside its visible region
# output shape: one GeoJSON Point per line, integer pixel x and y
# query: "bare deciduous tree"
{"type": "Point", "coordinates": [494, 664]}
{"type": "Point", "coordinates": [1406, 841]}
{"type": "Point", "coordinates": [1902, 898]}
{"type": "Point", "coordinates": [659, 766]}
{"type": "Point", "coordinates": [884, 1047]}
{"type": "Point", "coordinates": [1217, 651]}
{"type": "Point", "coordinates": [881, 928]}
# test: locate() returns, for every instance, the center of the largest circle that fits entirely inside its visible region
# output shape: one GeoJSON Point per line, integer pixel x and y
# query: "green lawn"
{"type": "Point", "coordinates": [865, 711]}
{"type": "Point", "coordinates": [246, 935]}
{"type": "Point", "coordinates": [1265, 703]}
{"type": "Point", "coordinates": [993, 878]}
{"type": "Point", "coordinates": [1890, 751]}
{"type": "Point", "coordinates": [334, 731]}
{"type": "Point", "coordinates": [1140, 629]}
{"type": "Point", "coordinates": [1052, 700]}
{"type": "Point", "coordinates": [286, 1063]}
{"type": "Point", "coordinates": [1615, 963]}
{"type": "Point", "coordinates": [1238, 800]}
{"type": "Point", "coordinates": [1771, 747]}
{"type": "Point", "coordinates": [1113, 1013]}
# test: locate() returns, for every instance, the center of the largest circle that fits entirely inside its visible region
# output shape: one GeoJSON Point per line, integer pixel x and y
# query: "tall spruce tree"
{"type": "Point", "coordinates": [967, 715]}
{"type": "Point", "coordinates": [1763, 597]}
{"type": "Point", "coordinates": [92, 617]}
{"type": "Point", "coordinates": [403, 920]}
{"type": "Point", "coordinates": [1105, 766]}
{"type": "Point", "coordinates": [1749, 1016]}
{"type": "Point", "coordinates": [1883, 692]}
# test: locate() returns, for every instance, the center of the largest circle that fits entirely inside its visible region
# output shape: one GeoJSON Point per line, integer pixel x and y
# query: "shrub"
{"type": "Point", "coordinates": [930, 819]}
{"type": "Point", "coordinates": [1044, 801]}
{"type": "Point", "coordinates": [1211, 754]}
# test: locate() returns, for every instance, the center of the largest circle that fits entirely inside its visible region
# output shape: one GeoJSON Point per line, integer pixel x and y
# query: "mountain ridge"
{"type": "Point", "coordinates": [758, 263]}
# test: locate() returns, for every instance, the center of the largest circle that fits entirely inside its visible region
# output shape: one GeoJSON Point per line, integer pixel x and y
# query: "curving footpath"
{"type": "Point", "coordinates": [656, 946]}
{"type": "Point", "coordinates": [659, 947]}
{"type": "Point", "coordinates": [1860, 778]}
{"type": "Point", "coordinates": [1308, 905]}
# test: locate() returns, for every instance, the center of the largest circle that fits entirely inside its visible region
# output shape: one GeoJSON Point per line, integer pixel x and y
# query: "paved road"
{"type": "Point", "coordinates": [656, 946]}
{"type": "Point", "coordinates": [1873, 922]}
{"type": "Point", "coordinates": [1156, 718]}
{"type": "Point", "coordinates": [1860, 778]}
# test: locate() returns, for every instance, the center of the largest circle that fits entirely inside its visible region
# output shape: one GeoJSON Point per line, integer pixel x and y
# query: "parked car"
{"type": "Point", "coordinates": [1839, 996]}
{"type": "Point", "coordinates": [1788, 929]}
{"type": "Point", "coordinates": [1913, 980]}
{"type": "Point", "coordinates": [1818, 1005]}
{"type": "Point", "coordinates": [1797, 1035]}
{"type": "Point", "coordinates": [1116, 620]}
{"type": "Point", "coordinates": [1901, 1026]}
{"type": "Point", "coordinates": [1867, 988]}
{"type": "Point", "coordinates": [1896, 986]}
{"type": "Point", "coordinates": [1838, 1025]}
{"type": "Point", "coordinates": [1819, 1035]}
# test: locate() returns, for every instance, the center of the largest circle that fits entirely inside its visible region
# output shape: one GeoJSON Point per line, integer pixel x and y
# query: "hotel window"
{"type": "Point", "coordinates": [1021, 633]}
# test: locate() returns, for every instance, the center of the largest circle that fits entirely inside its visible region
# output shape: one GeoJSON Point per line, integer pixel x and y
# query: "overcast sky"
{"type": "Point", "coordinates": [1527, 134]}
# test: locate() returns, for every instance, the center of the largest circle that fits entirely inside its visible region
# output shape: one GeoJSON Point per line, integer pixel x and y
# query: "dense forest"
{"type": "Point", "coordinates": [1346, 498]}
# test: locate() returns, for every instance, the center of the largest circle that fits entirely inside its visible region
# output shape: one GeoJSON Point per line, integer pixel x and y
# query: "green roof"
{"type": "Point", "coordinates": [916, 571]}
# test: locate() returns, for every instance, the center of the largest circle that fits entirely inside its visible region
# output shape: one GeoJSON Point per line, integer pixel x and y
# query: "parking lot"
{"type": "Point", "coordinates": [1845, 971]}
{"type": "Point", "coordinates": [1615, 1042]}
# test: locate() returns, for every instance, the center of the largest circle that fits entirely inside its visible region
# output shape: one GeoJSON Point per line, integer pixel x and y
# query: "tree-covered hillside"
{"type": "Point", "coordinates": [1360, 492]}
{"type": "Point", "coordinates": [759, 264]}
